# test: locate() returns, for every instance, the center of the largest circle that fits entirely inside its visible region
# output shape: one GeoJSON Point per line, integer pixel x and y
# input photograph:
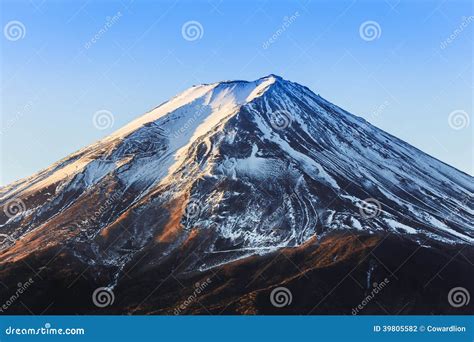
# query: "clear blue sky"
{"type": "Point", "coordinates": [404, 81]}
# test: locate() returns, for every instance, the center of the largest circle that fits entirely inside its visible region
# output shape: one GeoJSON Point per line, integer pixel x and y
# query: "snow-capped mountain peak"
{"type": "Point", "coordinates": [252, 167]}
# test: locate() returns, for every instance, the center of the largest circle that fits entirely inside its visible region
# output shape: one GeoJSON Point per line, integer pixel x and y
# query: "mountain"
{"type": "Point", "coordinates": [238, 191]}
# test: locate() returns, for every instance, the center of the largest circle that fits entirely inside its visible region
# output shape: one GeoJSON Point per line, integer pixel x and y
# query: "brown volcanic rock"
{"type": "Point", "coordinates": [324, 277]}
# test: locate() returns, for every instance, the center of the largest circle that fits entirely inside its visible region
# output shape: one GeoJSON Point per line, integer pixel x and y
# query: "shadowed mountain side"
{"type": "Point", "coordinates": [332, 276]}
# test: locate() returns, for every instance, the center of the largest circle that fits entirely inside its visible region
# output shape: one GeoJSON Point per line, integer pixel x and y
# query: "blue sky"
{"type": "Point", "coordinates": [406, 81]}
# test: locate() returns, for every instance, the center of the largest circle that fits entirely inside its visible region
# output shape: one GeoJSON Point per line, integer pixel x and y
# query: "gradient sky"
{"type": "Point", "coordinates": [406, 81]}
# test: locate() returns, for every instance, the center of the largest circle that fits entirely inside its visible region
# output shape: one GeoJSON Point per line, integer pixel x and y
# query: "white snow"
{"type": "Point", "coordinates": [397, 225]}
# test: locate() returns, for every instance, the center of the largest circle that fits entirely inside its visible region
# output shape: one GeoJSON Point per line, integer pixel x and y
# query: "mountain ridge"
{"type": "Point", "coordinates": [232, 173]}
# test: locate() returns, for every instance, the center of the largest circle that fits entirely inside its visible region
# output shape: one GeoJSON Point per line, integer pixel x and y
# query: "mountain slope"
{"type": "Point", "coordinates": [225, 173]}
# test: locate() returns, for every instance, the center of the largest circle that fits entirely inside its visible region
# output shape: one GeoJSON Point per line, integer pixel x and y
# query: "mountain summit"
{"type": "Point", "coordinates": [224, 179]}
